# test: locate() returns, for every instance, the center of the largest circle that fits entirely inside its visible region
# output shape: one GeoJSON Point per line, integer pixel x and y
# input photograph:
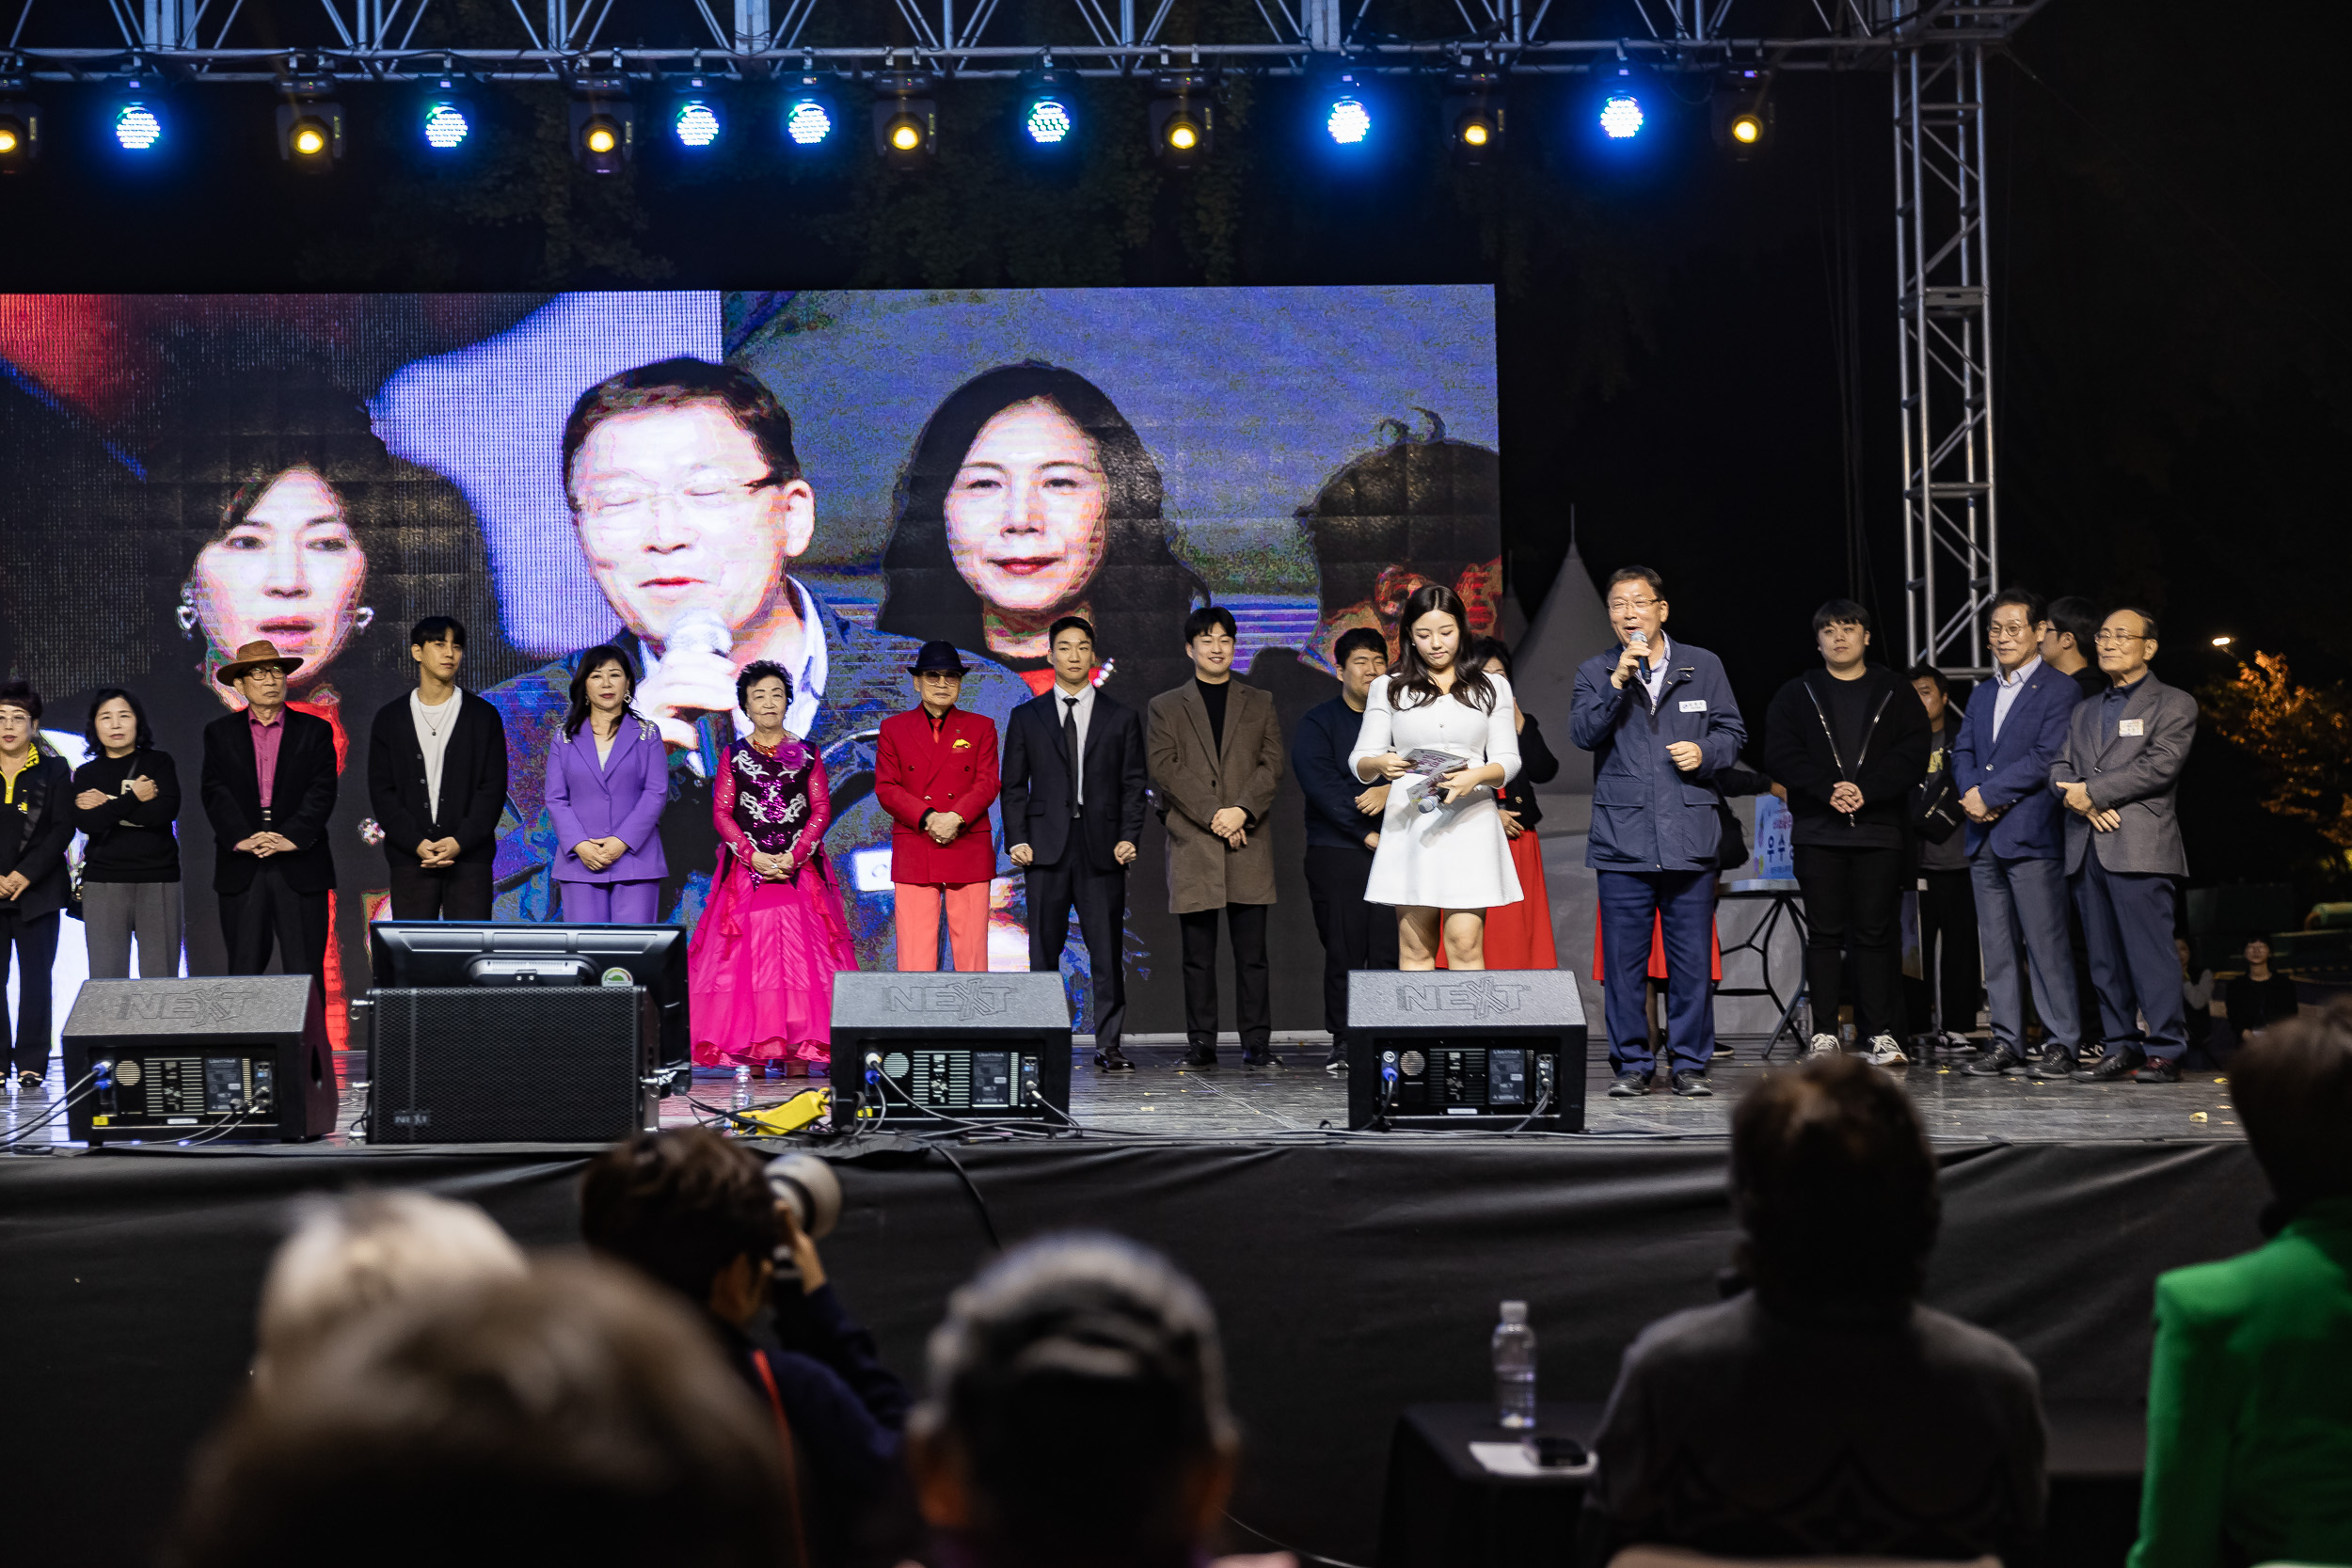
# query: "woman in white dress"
{"type": "Point", "coordinates": [1442, 850]}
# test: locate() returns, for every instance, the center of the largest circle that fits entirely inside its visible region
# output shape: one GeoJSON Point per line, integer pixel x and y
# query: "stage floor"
{"type": "Point", "coordinates": [1299, 1098]}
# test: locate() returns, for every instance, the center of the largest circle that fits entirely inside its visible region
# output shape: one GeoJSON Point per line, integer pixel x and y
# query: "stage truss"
{"type": "Point", "coordinates": [1934, 52]}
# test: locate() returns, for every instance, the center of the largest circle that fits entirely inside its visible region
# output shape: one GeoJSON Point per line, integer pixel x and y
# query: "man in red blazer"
{"type": "Point", "coordinates": [936, 774]}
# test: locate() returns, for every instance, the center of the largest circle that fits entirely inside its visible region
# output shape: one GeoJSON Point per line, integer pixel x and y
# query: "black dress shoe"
{"type": "Point", "coordinates": [2115, 1065]}
{"type": "Point", "coordinates": [2158, 1069]}
{"type": "Point", "coordinates": [2002, 1062]}
{"type": "Point", "coordinates": [1335, 1062]}
{"type": "Point", "coordinates": [1629, 1085]}
{"type": "Point", "coordinates": [2054, 1064]}
{"type": "Point", "coordinates": [1113, 1060]}
{"type": "Point", "coordinates": [1690, 1084]}
{"type": "Point", "coordinates": [1259, 1059]}
{"type": "Point", "coordinates": [1201, 1056]}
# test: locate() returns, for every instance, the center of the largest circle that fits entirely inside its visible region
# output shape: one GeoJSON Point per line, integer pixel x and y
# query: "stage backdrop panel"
{"type": "Point", "coordinates": [975, 463]}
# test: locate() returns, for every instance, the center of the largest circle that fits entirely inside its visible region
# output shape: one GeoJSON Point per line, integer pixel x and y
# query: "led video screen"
{"type": "Point", "coordinates": [1303, 456]}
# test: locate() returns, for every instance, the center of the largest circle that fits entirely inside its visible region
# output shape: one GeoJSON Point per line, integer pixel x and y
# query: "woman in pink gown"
{"type": "Point", "coordinates": [760, 967]}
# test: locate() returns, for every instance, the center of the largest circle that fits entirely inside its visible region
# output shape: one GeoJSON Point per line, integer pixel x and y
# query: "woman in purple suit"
{"type": "Point", "coordinates": [607, 778]}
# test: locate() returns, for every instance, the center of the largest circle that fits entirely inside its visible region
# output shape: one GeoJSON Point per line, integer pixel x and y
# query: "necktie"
{"type": "Point", "coordinates": [1070, 744]}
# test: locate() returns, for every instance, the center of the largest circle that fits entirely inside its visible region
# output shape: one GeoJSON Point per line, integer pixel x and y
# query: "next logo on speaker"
{"type": "Point", "coordinates": [965, 999]}
{"type": "Point", "coordinates": [1474, 994]}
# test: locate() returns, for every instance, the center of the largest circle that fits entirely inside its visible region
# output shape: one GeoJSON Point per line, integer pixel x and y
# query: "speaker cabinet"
{"type": "Point", "coordinates": [1490, 1047]}
{"type": "Point", "coordinates": [926, 1048]}
{"type": "Point", "coordinates": [238, 1058]}
{"type": "Point", "coordinates": [509, 1064]}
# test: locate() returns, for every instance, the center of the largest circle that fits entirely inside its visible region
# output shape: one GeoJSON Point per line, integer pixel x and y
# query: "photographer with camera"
{"type": "Point", "coordinates": [699, 1214]}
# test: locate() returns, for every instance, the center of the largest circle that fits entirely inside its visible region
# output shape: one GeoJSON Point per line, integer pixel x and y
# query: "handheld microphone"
{"type": "Point", "coordinates": [703, 630]}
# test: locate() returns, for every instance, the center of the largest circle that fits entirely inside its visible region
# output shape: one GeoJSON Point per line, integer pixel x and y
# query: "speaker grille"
{"type": "Point", "coordinates": [519, 1064]}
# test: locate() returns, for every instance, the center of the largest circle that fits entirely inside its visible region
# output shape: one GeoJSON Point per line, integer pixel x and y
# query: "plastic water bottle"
{"type": "Point", "coordinates": [1514, 1369]}
{"type": "Point", "coordinates": [742, 1087]}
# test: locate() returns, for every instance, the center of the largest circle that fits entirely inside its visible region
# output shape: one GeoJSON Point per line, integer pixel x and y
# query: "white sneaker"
{"type": "Point", "coordinates": [1884, 1052]}
{"type": "Point", "coordinates": [1823, 1045]}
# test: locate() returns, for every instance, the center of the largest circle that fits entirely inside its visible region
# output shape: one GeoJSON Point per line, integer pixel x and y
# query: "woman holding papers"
{"type": "Point", "coordinates": [1441, 733]}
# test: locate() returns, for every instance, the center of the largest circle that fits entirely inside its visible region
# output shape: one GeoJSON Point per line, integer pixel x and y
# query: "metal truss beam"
{"type": "Point", "coordinates": [1944, 281]}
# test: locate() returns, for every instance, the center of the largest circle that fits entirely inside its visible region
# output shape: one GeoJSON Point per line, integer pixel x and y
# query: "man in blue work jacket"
{"type": "Point", "coordinates": [1661, 722]}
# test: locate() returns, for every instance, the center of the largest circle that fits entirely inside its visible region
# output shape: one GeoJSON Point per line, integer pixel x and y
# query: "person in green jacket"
{"type": "Point", "coordinates": [2249, 1401]}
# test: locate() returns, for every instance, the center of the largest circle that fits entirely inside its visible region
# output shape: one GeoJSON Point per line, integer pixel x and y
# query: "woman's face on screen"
{"type": "Point", "coordinates": [1027, 522]}
{"type": "Point", "coordinates": [290, 573]}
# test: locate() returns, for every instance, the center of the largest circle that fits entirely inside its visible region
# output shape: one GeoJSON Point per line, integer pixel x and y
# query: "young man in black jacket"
{"type": "Point", "coordinates": [1849, 741]}
{"type": "Point", "coordinates": [437, 777]}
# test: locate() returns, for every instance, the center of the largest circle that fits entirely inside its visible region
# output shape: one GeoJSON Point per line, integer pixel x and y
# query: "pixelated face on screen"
{"type": "Point", "coordinates": [678, 510]}
{"type": "Point", "coordinates": [288, 571]}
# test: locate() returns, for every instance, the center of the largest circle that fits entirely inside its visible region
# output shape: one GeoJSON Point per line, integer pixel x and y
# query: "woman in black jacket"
{"type": "Point", "coordinates": [1848, 741]}
{"type": "Point", "coordinates": [35, 825]}
{"type": "Point", "coordinates": [126, 800]}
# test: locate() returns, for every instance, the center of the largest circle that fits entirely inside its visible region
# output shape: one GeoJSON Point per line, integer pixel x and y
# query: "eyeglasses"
{"type": "Point", "coordinates": [2015, 632]}
{"type": "Point", "coordinates": [2117, 639]}
{"type": "Point", "coordinates": [619, 507]}
{"type": "Point", "coordinates": [1616, 605]}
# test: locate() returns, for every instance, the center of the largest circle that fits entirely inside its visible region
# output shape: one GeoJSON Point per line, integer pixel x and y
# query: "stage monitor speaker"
{"type": "Point", "coordinates": [1489, 1048]}
{"type": "Point", "coordinates": [237, 1058]}
{"type": "Point", "coordinates": [958, 1047]}
{"type": "Point", "coordinates": [511, 1064]}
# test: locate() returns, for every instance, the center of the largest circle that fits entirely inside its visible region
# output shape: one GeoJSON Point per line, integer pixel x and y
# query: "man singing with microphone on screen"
{"type": "Point", "coordinates": [1659, 720]}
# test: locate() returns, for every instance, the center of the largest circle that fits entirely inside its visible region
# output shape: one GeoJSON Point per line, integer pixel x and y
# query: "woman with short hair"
{"type": "Point", "coordinates": [126, 800]}
{"type": "Point", "coordinates": [35, 825]}
{"type": "Point", "coordinates": [760, 967]}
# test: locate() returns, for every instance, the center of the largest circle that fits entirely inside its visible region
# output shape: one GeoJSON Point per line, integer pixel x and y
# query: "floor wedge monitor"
{"type": "Point", "coordinates": [211, 1059]}
{"type": "Point", "coordinates": [1488, 1049]}
{"type": "Point", "coordinates": [919, 1048]}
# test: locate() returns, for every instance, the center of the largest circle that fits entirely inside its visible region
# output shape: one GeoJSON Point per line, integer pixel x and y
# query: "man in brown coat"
{"type": "Point", "coordinates": [1216, 751]}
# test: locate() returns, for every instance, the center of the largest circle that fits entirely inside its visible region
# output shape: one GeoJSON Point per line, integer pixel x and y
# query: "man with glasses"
{"type": "Point", "coordinates": [1661, 722]}
{"type": "Point", "coordinates": [2116, 779]}
{"type": "Point", "coordinates": [688, 503]}
{"type": "Point", "coordinates": [2014, 730]}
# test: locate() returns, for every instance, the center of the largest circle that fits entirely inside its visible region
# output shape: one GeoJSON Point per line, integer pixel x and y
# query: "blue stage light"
{"type": "Point", "coordinates": [446, 125]}
{"type": "Point", "coordinates": [137, 127]}
{"type": "Point", "coordinates": [696, 125]}
{"type": "Point", "coordinates": [1350, 122]}
{"type": "Point", "coordinates": [1621, 115]}
{"type": "Point", "coordinates": [1048, 122]}
{"type": "Point", "coordinates": [807, 122]}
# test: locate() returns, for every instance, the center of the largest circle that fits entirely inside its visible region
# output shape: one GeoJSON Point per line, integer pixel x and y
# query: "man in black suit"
{"type": "Point", "coordinates": [1073, 783]}
{"type": "Point", "coordinates": [269, 787]}
{"type": "Point", "coordinates": [436, 780]}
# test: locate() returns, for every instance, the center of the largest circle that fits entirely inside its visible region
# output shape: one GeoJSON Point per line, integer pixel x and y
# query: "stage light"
{"type": "Point", "coordinates": [906, 121]}
{"type": "Point", "coordinates": [1183, 118]}
{"type": "Point", "coordinates": [1049, 115]}
{"type": "Point", "coordinates": [20, 130]}
{"type": "Point", "coordinates": [603, 122]}
{"type": "Point", "coordinates": [1473, 115]}
{"type": "Point", "coordinates": [1346, 119]}
{"type": "Point", "coordinates": [697, 119]}
{"type": "Point", "coordinates": [309, 122]}
{"type": "Point", "coordinates": [809, 115]}
{"type": "Point", "coordinates": [138, 119]}
{"type": "Point", "coordinates": [1742, 110]}
{"type": "Point", "coordinates": [2223, 641]}
{"type": "Point", "coordinates": [1621, 115]}
{"type": "Point", "coordinates": [446, 127]}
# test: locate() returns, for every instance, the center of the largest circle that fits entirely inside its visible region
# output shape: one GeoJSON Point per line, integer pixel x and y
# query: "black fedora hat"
{"type": "Point", "coordinates": [937, 657]}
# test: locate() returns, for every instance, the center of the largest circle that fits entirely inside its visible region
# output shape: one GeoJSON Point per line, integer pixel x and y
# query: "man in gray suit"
{"type": "Point", "coordinates": [2118, 776]}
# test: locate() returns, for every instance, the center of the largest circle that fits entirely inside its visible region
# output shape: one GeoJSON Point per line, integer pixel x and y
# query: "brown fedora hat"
{"type": "Point", "coordinates": [252, 657]}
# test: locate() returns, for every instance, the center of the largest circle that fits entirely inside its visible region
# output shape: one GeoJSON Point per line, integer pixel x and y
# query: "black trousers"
{"type": "Point", "coordinates": [269, 915]}
{"type": "Point", "coordinates": [1245, 929]}
{"type": "Point", "coordinates": [1355, 935]}
{"type": "Point", "coordinates": [1955, 973]}
{"type": "Point", "coordinates": [1100, 898]}
{"type": "Point", "coordinates": [30, 943]}
{"type": "Point", "coordinates": [462, 892]}
{"type": "Point", "coordinates": [1854, 904]}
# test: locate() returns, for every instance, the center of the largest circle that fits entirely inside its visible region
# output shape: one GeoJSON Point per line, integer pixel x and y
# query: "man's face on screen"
{"type": "Point", "coordinates": [676, 513]}
{"type": "Point", "coordinates": [1026, 519]}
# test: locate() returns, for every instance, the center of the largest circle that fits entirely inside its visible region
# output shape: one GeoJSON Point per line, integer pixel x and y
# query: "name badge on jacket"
{"type": "Point", "coordinates": [2131, 727]}
{"type": "Point", "coordinates": [1694, 705]}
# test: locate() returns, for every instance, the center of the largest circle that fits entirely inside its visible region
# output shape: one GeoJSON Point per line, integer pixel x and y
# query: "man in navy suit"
{"type": "Point", "coordinates": [1073, 781]}
{"type": "Point", "coordinates": [1661, 722]}
{"type": "Point", "coordinates": [2014, 730]}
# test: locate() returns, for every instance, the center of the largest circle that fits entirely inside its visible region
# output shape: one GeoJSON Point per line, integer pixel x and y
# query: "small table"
{"type": "Point", "coordinates": [1783, 895]}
